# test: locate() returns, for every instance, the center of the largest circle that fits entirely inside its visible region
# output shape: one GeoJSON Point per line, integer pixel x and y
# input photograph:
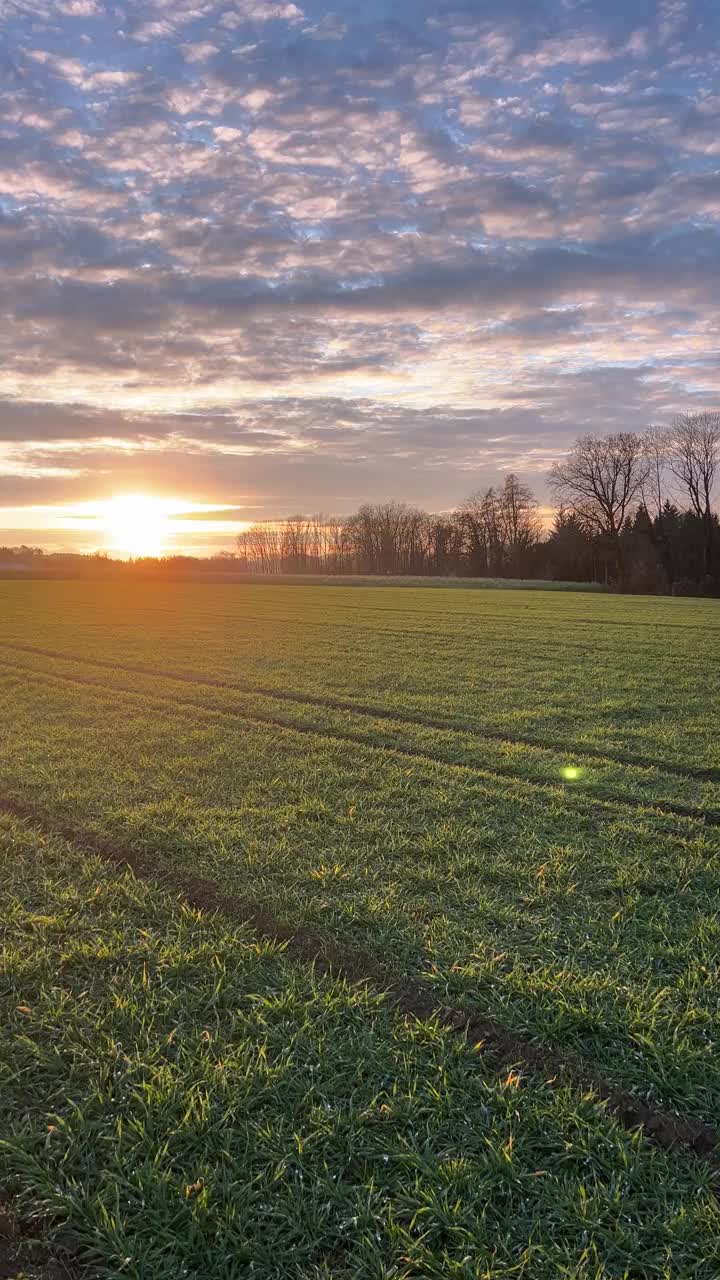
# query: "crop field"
{"type": "Point", "coordinates": [361, 932]}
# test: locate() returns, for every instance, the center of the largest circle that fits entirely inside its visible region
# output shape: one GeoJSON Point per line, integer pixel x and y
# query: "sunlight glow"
{"type": "Point", "coordinates": [137, 525]}
{"type": "Point", "coordinates": [128, 525]}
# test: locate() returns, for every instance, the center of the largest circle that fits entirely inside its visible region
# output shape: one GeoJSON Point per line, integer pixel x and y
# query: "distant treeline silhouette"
{"type": "Point", "coordinates": [634, 512]}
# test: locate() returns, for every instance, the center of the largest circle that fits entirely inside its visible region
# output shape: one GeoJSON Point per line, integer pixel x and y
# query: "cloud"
{"type": "Point", "coordinates": [271, 244]}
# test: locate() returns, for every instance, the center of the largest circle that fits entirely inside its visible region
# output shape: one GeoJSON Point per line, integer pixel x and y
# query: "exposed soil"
{"type": "Point", "coordinates": [23, 1252]}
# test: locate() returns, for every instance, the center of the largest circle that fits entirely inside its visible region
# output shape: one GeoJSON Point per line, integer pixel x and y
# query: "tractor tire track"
{"type": "Point", "coordinates": [665, 1129]}
{"type": "Point", "coordinates": [546, 792]}
{"type": "Point", "coordinates": [689, 773]}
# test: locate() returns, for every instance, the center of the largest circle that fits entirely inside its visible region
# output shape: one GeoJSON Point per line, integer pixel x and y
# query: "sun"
{"type": "Point", "coordinates": [137, 525]}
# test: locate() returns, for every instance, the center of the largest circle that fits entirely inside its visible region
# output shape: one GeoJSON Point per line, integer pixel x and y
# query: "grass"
{"type": "Point", "coordinates": [414, 580]}
{"type": "Point", "coordinates": [190, 1102]}
{"type": "Point", "coordinates": [209, 572]}
{"type": "Point", "coordinates": [390, 770]}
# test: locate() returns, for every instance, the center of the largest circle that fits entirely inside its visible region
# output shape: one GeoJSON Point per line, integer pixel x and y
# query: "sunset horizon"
{"type": "Point", "coordinates": [267, 257]}
{"type": "Point", "coordinates": [359, 620]}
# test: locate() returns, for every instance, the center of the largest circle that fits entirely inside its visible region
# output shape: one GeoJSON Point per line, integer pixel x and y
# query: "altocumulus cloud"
{"type": "Point", "coordinates": [288, 254]}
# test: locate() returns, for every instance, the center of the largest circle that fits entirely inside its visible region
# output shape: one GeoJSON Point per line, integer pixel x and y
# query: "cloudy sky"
{"type": "Point", "coordinates": [265, 256]}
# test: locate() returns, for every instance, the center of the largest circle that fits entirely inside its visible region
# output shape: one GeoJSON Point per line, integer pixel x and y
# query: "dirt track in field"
{"type": "Point", "coordinates": [545, 791]}
{"type": "Point", "coordinates": [684, 772]}
{"type": "Point", "coordinates": [22, 1251]}
{"type": "Point", "coordinates": [665, 1129]}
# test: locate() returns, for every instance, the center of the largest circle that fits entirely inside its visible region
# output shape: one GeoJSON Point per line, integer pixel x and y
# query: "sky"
{"type": "Point", "coordinates": [261, 257]}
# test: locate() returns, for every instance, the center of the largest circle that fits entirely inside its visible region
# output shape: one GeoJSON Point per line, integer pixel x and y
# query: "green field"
{"type": "Point", "coordinates": [503, 804]}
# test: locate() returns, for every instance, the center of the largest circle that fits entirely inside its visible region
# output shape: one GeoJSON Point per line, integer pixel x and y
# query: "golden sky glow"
{"type": "Point", "coordinates": [126, 525]}
{"type": "Point", "coordinates": [280, 283]}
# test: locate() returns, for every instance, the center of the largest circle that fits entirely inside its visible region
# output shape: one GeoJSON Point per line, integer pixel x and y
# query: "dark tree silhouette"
{"type": "Point", "coordinates": [635, 512]}
{"type": "Point", "coordinates": [601, 479]}
{"type": "Point", "coordinates": [694, 459]}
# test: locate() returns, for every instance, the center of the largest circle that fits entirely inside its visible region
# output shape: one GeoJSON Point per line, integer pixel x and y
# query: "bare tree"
{"type": "Point", "coordinates": [320, 542]}
{"type": "Point", "coordinates": [445, 544]}
{"type": "Point", "coordinates": [694, 461]}
{"type": "Point", "coordinates": [296, 544]}
{"type": "Point", "coordinates": [261, 547]}
{"type": "Point", "coordinates": [338, 548]}
{"type": "Point", "coordinates": [600, 480]}
{"type": "Point", "coordinates": [499, 529]}
{"type": "Point", "coordinates": [519, 520]}
{"type": "Point", "coordinates": [388, 537]}
{"type": "Point", "coordinates": [479, 519]}
{"type": "Point", "coordinates": [657, 445]}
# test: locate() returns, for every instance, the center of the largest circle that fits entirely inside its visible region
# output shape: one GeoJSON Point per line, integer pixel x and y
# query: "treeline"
{"type": "Point", "coordinates": [633, 510]}
{"type": "Point", "coordinates": [34, 562]}
{"type": "Point", "coordinates": [494, 534]}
